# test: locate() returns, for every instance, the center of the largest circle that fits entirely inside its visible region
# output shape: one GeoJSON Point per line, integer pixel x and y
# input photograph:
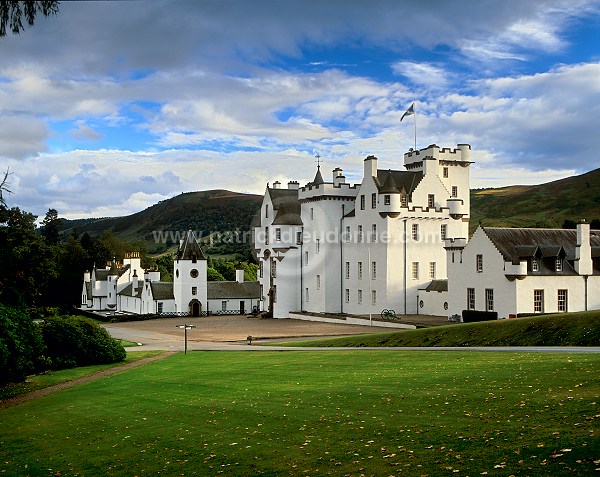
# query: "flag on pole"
{"type": "Point", "coordinates": [409, 111]}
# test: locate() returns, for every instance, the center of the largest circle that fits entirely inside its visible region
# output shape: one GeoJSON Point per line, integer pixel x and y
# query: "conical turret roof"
{"type": "Point", "coordinates": [189, 249]}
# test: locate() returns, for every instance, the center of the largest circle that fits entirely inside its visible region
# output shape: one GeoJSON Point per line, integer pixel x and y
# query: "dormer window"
{"type": "Point", "coordinates": [535, 265]}
{"type": "Point", "coordinates": [267, 210]}
{"type": "Point", "coordinates": [431, 201]}
{"type": "Point", "coordinates": [404, 200]}
{"type": "Point", "coordinates": [558, 265]}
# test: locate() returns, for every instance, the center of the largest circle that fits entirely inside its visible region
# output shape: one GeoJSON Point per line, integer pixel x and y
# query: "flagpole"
{"type": "Point", "coordinates": [415, 123]}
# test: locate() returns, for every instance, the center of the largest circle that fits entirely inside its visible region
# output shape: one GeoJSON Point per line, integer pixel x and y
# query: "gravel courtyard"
{"type": "Point", "coordinates": [233, 328]}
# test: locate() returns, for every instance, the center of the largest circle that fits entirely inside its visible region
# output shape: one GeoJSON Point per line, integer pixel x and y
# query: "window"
{"type": "Point", "coordinates": [445, 172]}
{"type": "Point", "coordinates": [443, 231]}
{"type": "Point", "coordinates": [415, 231]}
{"type": "Point", "coordinates": [558, 264]}
{"type": "Point", "coordinates": [359, 295]}
{"type": "Point", "coordinates": [317, 245]}
{"type": "Point", "coordinates": [260, 268]}
{"type": "Point", "coordinates": [404, 200]}
{"type": "Point", "coordinates": [373, 201]}
{"type": "Point", "coordinates": [489, 299]}
{"type": "Point", "coordinates": [348, 235]}
{"type": "Point", "coordinates": [535, 265]}
{"type": "Point", "coordinates": [538, 301]}
{"type": "Point", "coordinates": [479, 263]}
{"type": "Point", "coordinates": [318, 282]}
{"type": "Point", "coordinates": [347, 293]}
{"type": "Point", "coordinates": [360, 270]}
{"type": "Point", "coordinates": [159, 307]}
{"type": "Point", "coordinates": [194, 290]}
{"type": "Point", "coordinates": [194, 273]}
{"type": "Point", "coordinates": [562, 300]}
{"type": "Point", "coordinates": [362, 202]}
{"type": "Point", "coordinates": [373, 297]}
{"type": "Point", "coordinates": [431, 201]}
{"type": "Point", "coordinates": [266, 235]}
{"type": "Point", "coordinates": [278, 234]}
{"type": "Point", "coordinates": [274, 293]}
{"type": "Point", "coordinates": [347, 269]}
{"type": "Point", "coordinates": [267, 211]}
{"type": "Point", "coordinates": [432, 270]}
{"type": "Point", "coordinates": [373, 270]}
{"type": "Point", "coordinates": [386, 199]}
{"type": "Point", "coordinates": [306, 258]}
{"type": "Point", "coordinates": [194, 258]}
{"type": "Point", "coordinates": [306, 296]}
{"type": "Point", "coordinates": [454, 191]}
{"type": "Point", "coordinates": [374, 233]}
{"type": "Point", "coordinates": [470, 298]}
{"type": "Point", "coordinates": [224, 305]}
{"type": "Point", "coordinates": [312, 213]}
{"type": "Point", "coordinates": [274, 268]}
{"type": "Point", "coordinates": [298, 238]}
{"type": "Point", "coordinates": [415, 270]}
{"type": "Point", "coordinates": [360, 235]}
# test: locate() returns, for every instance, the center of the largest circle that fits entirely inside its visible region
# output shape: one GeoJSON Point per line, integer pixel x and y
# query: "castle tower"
{"type": "Point", "coordinates": [189, 277]}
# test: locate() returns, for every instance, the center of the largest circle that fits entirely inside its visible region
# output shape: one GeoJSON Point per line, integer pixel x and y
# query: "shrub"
{"type": "Point", "coordinates": [21, 345]}
{"type": "Point", "coordinates": [76, 341]}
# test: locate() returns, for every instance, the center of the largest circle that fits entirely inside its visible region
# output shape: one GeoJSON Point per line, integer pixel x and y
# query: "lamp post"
{"type": "Point", "coordinates": [185, 328]}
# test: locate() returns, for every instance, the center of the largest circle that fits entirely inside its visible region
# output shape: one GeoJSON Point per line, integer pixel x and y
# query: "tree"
{"type": "Point", "coordinates": [12, 13]}
{"type": "Point", "coordinates": [52, 226]}
{"type": "Point", "coordinates": [4, 188]}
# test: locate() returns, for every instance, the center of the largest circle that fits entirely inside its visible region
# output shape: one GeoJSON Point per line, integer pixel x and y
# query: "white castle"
{"type": "Point", "coordinates": [399, 240]}
{"type": "Point", "coordinates": [334, 247]}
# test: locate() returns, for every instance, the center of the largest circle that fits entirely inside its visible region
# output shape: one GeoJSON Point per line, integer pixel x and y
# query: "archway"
{"type": "Point", "coordinates": [195, 308]}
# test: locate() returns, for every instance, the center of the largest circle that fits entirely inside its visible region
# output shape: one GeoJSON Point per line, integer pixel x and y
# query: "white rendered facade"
{"type": "Point", "coordinates": [369, 246]}
{"type": "Point", "coordinates": [525, 271]}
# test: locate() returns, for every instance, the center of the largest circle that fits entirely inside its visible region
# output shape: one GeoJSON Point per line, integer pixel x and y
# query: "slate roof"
{"type": "Point", "coordinates": [437, 286]}
{"type": "Point", "coordinates": [127, 290]}
{"type": "Point", "coordinates": [190, 248]}
{"type": "Point", "coordinates": [318, 177]}
{"type": "Point", "coordinates": [517, 243]}
{"type": "Point", "coordinates": [287, 205]}
{"type": "Point", "coordinates": [223, 290]}
{"type": "Point", "coordinates": [102, 274]}
{"type": "Point", "coordinates": [394, 181]}
{"type": "Point", "coordinates": [162, 290]}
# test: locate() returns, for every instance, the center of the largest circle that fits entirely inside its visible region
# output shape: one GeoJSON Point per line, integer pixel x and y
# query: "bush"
{"type": "Point", "coordinates": [76, 341]}
{"type": "Point", "coordinates": [21, 345]}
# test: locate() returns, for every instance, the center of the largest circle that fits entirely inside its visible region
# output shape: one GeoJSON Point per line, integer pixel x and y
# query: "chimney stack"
{"type": "Point", "coordinates": [276, 185]}
{"type": "Point", "coordinates": [293, 185]}
{"type": "Point", "coordinates": [583, 250]}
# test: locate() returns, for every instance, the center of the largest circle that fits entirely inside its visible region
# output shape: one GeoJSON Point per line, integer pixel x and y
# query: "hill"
{"type": "Point", "coordinates": [161, 226]}
{"type": "Point", "coordinates": [545, 205]}
{"type": "Point", "coordinates": [208, 212]}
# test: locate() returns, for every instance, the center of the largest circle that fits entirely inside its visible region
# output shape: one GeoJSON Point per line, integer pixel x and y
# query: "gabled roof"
{"type": "Point", "coordinates": [127, 290]}
{"type": "Point", "coordinates": [190, 249]}
{"type": "Point", "coordinates": [516, 243]}
{"type": "Point", "coordinates": [285, 202]}
{"type": "Point", "coordinates": [232, 290]}
{"type": "Point", "coordinates": [395, 181]}
{"type": "Point", "coordinates": [162, 290]}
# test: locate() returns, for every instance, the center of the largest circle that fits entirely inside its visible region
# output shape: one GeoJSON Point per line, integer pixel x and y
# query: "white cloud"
{"type": "Point", "coordinates": [425, 74]}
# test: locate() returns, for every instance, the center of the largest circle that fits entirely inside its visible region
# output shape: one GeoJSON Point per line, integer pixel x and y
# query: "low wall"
{"type": "Point", "coordinates": [349, 320]}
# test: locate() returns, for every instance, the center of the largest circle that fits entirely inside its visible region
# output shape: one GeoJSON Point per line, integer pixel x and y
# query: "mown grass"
{"type": "Point", "coordinates": [318, 413]}
{"type": "Point", "coordinates": [567, 329]}
{"type": "Point", "coordinates": [39, 381]}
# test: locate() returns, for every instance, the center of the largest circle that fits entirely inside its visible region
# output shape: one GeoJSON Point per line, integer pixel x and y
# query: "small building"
{"type": "Point", "coordinates": [521, 271]}
{"type": "Point", "coordinates": [118, 288]}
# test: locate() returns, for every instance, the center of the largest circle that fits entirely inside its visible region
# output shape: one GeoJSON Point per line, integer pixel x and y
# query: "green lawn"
{"type": "Point", "coordinates": [39, 381]}
{"type": "Point", "coordinates": [565, 329]}
{"type": "Point", "coordinates": [318, 413]}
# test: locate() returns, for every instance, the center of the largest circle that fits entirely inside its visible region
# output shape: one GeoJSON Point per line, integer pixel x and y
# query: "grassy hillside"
{"type": "Point", "coordinates": [567, 329]}
{"type": "Point", "coordinates": [160, 226]}
{"type": "Point", "coordinates": [545, 205]}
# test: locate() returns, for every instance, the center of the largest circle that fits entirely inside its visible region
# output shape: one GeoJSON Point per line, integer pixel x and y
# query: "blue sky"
{"type": "Point", "coordinates": [110, 107]}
